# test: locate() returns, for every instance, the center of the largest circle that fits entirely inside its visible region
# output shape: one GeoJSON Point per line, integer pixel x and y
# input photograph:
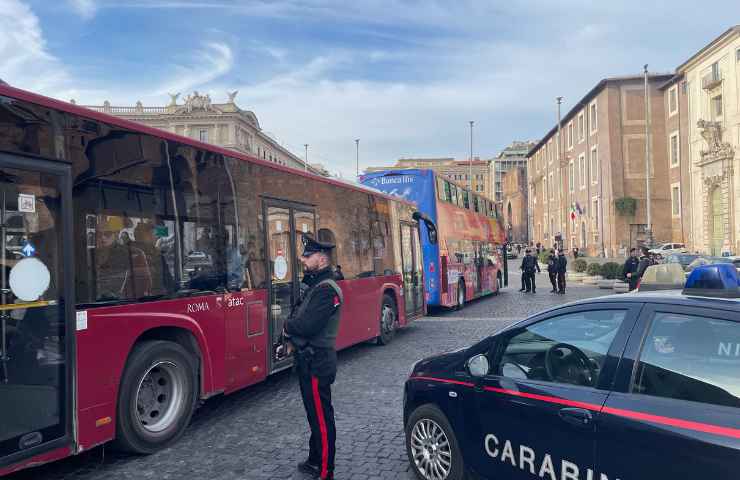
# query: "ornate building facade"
{"type": "Point", "coordinates": [713, 92]}
{"type": "Point", "coordinates": [222, 124]}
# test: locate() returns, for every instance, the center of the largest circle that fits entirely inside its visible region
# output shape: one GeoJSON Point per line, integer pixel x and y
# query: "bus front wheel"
{"type": "Point", "coordinates": [388, 320]}
{"type": "Point", "coordinates": [156, 398]}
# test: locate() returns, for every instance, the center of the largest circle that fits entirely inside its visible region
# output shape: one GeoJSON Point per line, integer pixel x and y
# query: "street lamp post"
{"type": "Point", "coordinates": [357, 156]}
{"type": "Point", "coordinates": [305, 164]}
{"type": "Point", "coordinates": [647, 159]}
{"type": "Point", "coordinates": [470, 164]}
{"type": "Point", "coordinates": [560, 157]}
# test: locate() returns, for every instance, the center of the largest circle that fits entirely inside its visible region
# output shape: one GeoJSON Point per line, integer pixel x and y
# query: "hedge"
{"type": "Point", "coordinates": [593, 269]}
{"type": "Point", "coordinates": [543, 257]}
{"type": "Point", "coordinates": [611, 270]}
{"type": "Point", "coordinates": [580, 265]}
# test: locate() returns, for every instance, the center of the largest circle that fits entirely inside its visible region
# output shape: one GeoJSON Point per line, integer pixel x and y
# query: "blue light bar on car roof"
{"type": "Point", "coordinates": [715, 280]}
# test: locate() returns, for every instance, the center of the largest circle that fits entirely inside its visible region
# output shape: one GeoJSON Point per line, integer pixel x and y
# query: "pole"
{"type": "Point", "coordinates": [305, 164]}
{"type": "Point", "coordinates": [560, 153]}
{"type": "Point", "coordinates": [470, 164]}
{"type": "Point", "coordinates": [647, 159]}
{"type": "Point", "coordinates": [357, 155]}
{"type": "Point", "coordinates": [560, 101]}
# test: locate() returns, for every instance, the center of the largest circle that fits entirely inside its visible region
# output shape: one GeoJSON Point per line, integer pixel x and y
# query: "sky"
{"type": "Point", "coordinates": [403, 76]}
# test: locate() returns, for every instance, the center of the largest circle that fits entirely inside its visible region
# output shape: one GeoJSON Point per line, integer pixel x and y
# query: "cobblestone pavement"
{"type": "Point", "coordinates": [261, 433]}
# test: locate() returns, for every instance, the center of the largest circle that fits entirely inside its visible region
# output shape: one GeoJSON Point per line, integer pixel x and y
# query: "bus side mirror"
{"type": "Point", "coordinates": [431, 228]}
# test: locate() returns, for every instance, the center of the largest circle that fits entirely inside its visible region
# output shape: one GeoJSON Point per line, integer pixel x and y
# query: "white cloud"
{"type": "Point", "coordinates": [25, 61]}
{"type": "Point", "coordinates": [85, 8]}
{"type": "Point", "coordinates": [208, 64]}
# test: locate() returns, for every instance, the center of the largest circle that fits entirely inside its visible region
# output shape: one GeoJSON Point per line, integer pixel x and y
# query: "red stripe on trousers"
{"type": "Point", "coordinates": [322, 427]}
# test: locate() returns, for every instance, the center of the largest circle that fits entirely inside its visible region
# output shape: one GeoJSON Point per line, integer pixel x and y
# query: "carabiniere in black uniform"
{"type": "Point", "coordinates": [312, 329]}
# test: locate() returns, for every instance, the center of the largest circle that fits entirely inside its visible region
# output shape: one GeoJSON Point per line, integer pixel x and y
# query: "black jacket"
{"type": "Point", "coordinates": [645, 262]}
{"type": "Point", "coordinates": [630, 266]}
{"type": "Point", "coordinates": [552, 263]}
{"type": "Point", "coordinates": [308, 321]}
{"type": "Point", "coordinates": [529, 264]}
{"type": "Point", "coordinates": [562, 264]}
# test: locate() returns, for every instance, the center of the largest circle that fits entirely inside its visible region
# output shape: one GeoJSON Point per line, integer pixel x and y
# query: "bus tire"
{"type": "Point", "coordinates": [432, 447]}
{"type": "Point", "coordinates": [388, 320]}
{"type": "Point", "coordinates": [460, 294]}
{"type": "Point", "coordinates": [156, 398]}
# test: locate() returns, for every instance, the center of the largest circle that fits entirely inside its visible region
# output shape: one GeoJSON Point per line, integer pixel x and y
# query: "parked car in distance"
{"type": "Point", "coordinates": [668, 248]}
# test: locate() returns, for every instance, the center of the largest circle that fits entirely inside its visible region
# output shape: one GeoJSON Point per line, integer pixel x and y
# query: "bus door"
{"type": "Point", "coordinates": [285, 222]}
{"type": "Point", "coordinates": [36, 333]}
{"type": "Point", "coordinates": [413, 281]}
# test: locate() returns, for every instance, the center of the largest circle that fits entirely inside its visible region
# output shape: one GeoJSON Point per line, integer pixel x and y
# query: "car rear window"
{"type": "Point", "coordinates": [688, 357]}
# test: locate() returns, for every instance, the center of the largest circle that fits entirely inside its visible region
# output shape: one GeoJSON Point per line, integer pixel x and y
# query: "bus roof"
{"type": "Point", "coordinates": [415, 171]}
{"type": "Point", "coordinates": [24, 95]}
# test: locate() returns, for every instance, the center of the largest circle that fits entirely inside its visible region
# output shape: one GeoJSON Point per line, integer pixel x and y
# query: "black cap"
{"type": "Point", "coordinates": [311, 246]}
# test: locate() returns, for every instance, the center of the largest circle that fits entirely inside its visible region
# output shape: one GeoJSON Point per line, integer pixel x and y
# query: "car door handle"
{"type": "Point", "coordinates": [580, 417]}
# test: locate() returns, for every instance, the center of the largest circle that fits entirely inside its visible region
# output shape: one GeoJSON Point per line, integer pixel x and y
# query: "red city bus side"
{"type": "Point", "coordinates": [230, 335]}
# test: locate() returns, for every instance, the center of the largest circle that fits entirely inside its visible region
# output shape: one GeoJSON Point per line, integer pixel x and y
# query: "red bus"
{"type": "Point", "coordinates": [465, 263]}
{"type": "Point", "coordinates": [144, 272]}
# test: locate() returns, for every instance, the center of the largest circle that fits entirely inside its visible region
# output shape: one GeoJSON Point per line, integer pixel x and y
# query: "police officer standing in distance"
{"type": "Point", "coordinates": [528, 267]}
{"type": "Point", "coordinates": [312, 330]}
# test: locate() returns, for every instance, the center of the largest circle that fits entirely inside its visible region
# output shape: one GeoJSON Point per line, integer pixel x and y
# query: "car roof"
{"type": "Point", "coordinates": [664, 297]}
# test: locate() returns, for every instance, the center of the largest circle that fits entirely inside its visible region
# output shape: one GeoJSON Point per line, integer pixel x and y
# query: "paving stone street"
{"type": "Point", "coordinates": [261, 433]}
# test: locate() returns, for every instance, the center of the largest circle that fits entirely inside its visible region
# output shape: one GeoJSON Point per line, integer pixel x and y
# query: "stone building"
{"type": "Point", "coordinates": [713, 131]}
{"type": "Point", "coordinates": [514, 200]}
{"type": "Point", "coordinates": [222, 124]}
{"type": "Point", "coordinates": [677, 148]}
{"type": "Point", "coordinates": [591, 192]}
{"type": "Point", "coordinates": [458, 170]}
{"type": "Point", "coordinates": [513, 156]}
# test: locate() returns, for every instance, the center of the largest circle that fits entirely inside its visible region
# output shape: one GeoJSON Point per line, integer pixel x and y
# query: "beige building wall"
{"type": "Point", "coordinates": [675, 105]}
{"type": "Point", "coordinates": [713, 90]}
{"type": "Point", "coordinates": [602, 160]}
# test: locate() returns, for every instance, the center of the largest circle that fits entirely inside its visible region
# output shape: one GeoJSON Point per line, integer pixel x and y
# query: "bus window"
{"type": "Point", "coordinates": [207, 221]}
{"type": "Point", "coordinates": [123, 207]}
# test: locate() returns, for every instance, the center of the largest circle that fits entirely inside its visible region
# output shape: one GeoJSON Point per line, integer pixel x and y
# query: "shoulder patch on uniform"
{"type": "Point", "coordinates": [337, 302]}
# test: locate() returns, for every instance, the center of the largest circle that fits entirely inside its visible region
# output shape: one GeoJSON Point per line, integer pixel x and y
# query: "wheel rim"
{"type": "Point", "coordinates": [387, 320]}
{"type": "Point", "coordinates": [160, 396]}
{"type": "Point", "coordinates": [430, 449]}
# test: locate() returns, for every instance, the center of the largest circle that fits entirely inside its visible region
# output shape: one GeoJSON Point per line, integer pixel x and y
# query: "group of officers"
{"type": "Point", "coordinates": [632, 271]}
{"type": "Point", "coordinates": [557, 265]}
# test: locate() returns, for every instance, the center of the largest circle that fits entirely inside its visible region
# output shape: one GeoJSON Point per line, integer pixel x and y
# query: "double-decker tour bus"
{"type": "Point", "coordinates": [465, 263]}
{"type": "Point", "coordinates": [143, 272]}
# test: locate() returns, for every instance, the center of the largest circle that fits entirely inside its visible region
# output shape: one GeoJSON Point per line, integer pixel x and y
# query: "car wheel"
{"type": "Point", "coordinates": [388, 320]}
{"type": "Point", "coordinates": [431, 446]}
{"type": "Point", "coordinates": [156, 398]}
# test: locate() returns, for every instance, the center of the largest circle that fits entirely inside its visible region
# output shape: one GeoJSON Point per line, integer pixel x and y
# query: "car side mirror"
{"type": "Point", "coordinates": [478, 366]}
